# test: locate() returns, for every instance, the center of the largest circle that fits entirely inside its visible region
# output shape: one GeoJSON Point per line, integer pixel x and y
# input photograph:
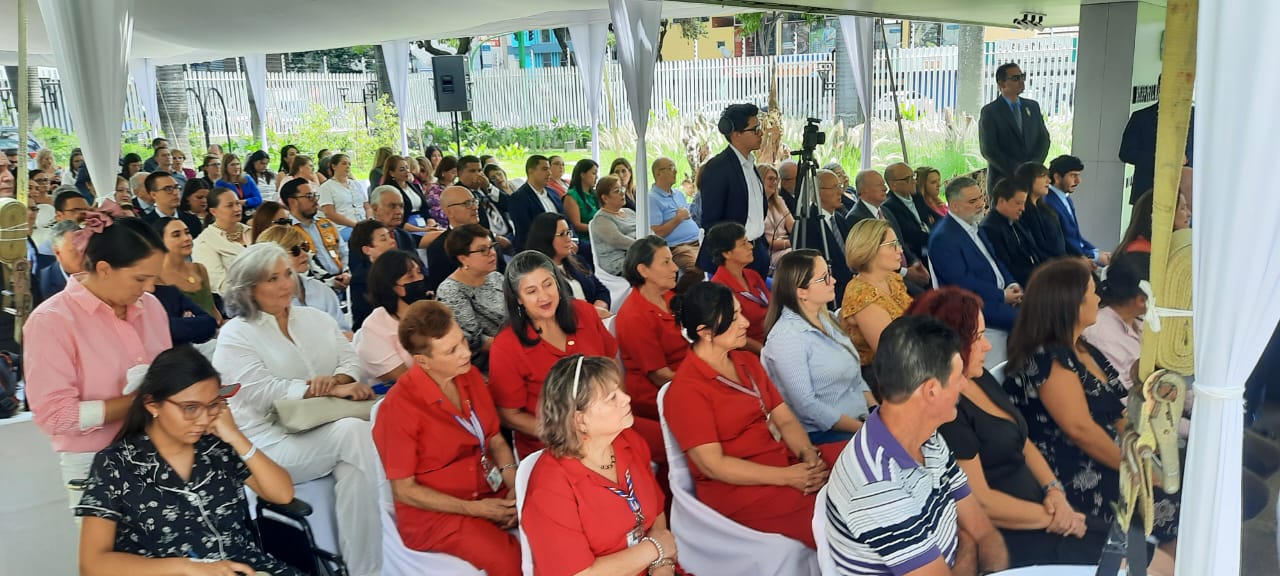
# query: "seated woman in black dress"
{"type": "Point", "coordinates": [1007, 473]}
{"type": "Point", "coordinates": [168, 496]}
{"type": "Point", "coordinates": [1070, 395]}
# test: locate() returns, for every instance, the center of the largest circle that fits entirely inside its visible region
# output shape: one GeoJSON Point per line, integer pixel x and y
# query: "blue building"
{"type": "Point", "coordinates": [540, 48]}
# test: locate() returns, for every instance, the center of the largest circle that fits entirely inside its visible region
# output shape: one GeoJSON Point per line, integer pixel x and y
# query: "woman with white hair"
{"type": "Point", "coordinates": [279, 351]}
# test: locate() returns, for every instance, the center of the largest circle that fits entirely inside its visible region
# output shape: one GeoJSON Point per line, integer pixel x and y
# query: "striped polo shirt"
{"type": "Point", "coordinates": [888, 514]}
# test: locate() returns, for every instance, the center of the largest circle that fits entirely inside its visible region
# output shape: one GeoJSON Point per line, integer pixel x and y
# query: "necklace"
{"type": "Point", "coordinates": [232, 236]}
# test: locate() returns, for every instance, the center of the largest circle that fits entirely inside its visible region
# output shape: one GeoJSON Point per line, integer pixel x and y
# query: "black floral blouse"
{"type": "Point", "coordinates": [1091, 487]}
{"type": "Point", "coordinates": [158, 515]}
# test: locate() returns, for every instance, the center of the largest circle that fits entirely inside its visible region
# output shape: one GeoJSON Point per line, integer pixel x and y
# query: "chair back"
{"type": "Point", "coordinates": [997, 372]}
{"type": "Point", "coordinates": [523, 471]}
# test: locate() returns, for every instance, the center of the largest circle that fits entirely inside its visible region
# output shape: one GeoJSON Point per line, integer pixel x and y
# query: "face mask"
{"type": "Point", "coordinates": [416, 291]}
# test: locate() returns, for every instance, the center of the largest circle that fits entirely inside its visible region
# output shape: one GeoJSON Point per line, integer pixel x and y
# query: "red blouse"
{"type": "Point", "coordinates": [418, 436]}
{"type": "Point", "coordinates": [572, 516]}
{"type": "Point", "coordinates": [754, 298]}
{"type": "Point", "coordinates": [702, 410]}
{"type": "Point", "coordinates": [516, 373]}
{"type": "Point", "coordinates": [650, 340]}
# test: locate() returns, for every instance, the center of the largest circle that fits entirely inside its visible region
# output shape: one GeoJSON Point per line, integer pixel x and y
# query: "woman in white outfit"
{"type": "Point", "coordinates": [223, 239]}
{"type": "Point", "coordinates": [277, 351]}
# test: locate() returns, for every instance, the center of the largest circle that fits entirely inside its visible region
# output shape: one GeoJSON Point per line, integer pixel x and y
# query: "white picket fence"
{"type": "Point", "coordinates": [925, 77]}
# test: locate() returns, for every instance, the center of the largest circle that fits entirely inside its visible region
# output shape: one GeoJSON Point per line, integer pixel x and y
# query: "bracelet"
{"type": "Point", "coordinates": [247, 455]}
{"type": "Point", "coordinates": [1052, 485]}
{"type": "Point", "coordinates": [504, 467]}
{"type": "Point", "coordinates": [661, 553]}
{"type": "Point", "coordinates": [664, 563]}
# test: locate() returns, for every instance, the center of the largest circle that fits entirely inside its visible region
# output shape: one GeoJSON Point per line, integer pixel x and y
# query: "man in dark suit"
{"type": "Point", "coordinates": [532, 198]}
{"type": "Point", "coordinates": [1013, 243]}
{"type": "Point", "coordinates": [872, 194]}
{"type": "Point", "coordinates": [787, 187]}
{"type": "Point", "coordinates": [152, 164]}
{"type": "Point", "coordinates": [1064, 178]}
{"type": "Point", "coordinates": [908, 208]}
{"type": "Point", "coordinates": [1011, 129]}
{"type": "Point", "coordinates": [462, 208]}
{"type": "Point", "coordinates": [830, 193]}
{"type": "Point", "coordinates": [471, 176]}
{"type": "Point", "coordinates": [731, 189]}
{"type": "Point", "coordinates": [168, 197]}
{"type": "Point", "coordinates": [52, 277]}
{"type": "Point", "coordinates": [962, 255]}
{"type": "Point", "coordinates": [1138, 147]}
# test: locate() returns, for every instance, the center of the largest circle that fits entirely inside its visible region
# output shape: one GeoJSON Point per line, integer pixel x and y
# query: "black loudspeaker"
{"type": "Point", "coordinates": [451, 79]}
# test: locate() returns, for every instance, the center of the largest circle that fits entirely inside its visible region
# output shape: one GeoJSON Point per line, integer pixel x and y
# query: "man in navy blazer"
{"type": "Point", "coordinates": [731, 189]}
{"type": "Point", "coordinates": [1064, 178]}
{"type": "Point", "coordinates": [52, 276]}
{"type": "Point", "coordinates": [532, 198]}
{"type": "Point", "coordinates": [1011, 128]}
{"type": "Point", "coordinates": [962, 255]}
{"type": "Point", "coordinates": [1138, 147]}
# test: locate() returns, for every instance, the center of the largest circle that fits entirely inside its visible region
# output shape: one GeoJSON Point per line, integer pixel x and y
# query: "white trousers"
{"type": "Point", "coordinates": [345, 449]}
{"type": "Point", "coordinates": [75, 466]}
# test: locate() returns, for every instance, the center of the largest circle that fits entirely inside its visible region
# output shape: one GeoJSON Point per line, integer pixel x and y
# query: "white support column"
{"type": "Point", "coordinates": [396, 55]}
{"type": "Point", "coordinates": [90, 41]}
{"type": "Point", "coordinates": [589, 45]}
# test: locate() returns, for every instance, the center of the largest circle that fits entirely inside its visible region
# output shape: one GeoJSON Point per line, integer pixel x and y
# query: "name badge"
{"type": "Point", "coordinates": [634, 536]}
{"type": "Point", "coordinates": [494, 477]}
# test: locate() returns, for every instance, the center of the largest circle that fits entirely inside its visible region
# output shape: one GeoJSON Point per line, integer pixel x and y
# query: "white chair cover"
{"type": "Point", "coordinates": [618, 286]}
{"type": "Point", "coordinates": [522, 482]}
{"type": "Point", "coordinates": [826, 562]}
{"type": "Point", "coordinates": [318, 493]}
{"type": "Point", "coordinates": [999, 353]}
{"type": "Point", "coordinates": [709, 543]}
{"type": "Point", "coordinates": [997, 372]}
{"type": "Point", "coordinates": [398, 559]}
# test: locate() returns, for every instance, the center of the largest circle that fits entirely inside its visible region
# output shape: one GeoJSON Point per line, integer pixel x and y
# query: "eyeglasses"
{"type": "Point", "coordinates": [192, 411]}
{"type": "Point", "coordinates": [482, 250]}
{"type": "Point", "coordinates": [282, 222]}
{"type": "Point", "coordinates": [310, 196]}
{"type": "Point", "coordinates": [298, 250]}
{"type": "Point", "coordinates": [40, 181]}
{"type": "Point", "coordinates": [894, 243]}
{"type": "Point", "coordinates": [168, 189]}
{"type": "Point", "coordinates": [472, 203]}
{"type": "Point", "coordinates": [566, 234]}
{"type": "Point", "coordinates": [757, 129]}
{"type": "Point", "coordinates": [904, 178]}
{"type": "Point", "coordinates": [1016, 77]}
{"type": "Point", "coordinates": [823, 279]}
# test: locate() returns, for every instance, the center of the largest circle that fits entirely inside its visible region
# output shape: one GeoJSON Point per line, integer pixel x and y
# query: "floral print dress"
{"type": "Point", "coordinates": [1092, 488]}
{"type": "Point", "coordinates": [159, 515]}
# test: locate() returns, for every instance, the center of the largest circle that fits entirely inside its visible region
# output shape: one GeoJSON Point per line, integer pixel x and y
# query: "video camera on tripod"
{"type": "Point", "coordinates": [807, 170]}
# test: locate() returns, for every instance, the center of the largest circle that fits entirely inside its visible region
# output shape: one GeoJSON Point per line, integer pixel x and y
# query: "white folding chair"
{"type": "Point", "coordinates": [713, 544]}
{"type": "Point", "coordinates": [826, 561]}
{"type": "Point", "coordinates": [618, 286]}
{"type": "Point", "coordinates": [523, 471]}
{"type": "Point", "coordinates": [398, 559]}
{"type": "Point", "coordinates": [997, 372]}
{"type": "Point", "coordinates": [999, 353]}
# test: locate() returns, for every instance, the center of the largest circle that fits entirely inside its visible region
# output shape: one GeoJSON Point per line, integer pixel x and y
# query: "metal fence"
{"type": "Point", "coordinates": [926, 79]}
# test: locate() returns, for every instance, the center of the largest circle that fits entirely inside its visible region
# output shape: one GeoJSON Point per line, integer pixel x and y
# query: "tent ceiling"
{"type": "Point", "coordinates": [172, 32]}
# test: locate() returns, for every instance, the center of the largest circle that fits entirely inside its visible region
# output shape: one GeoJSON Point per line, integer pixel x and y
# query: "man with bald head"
{"type": "Point", "coordinates": [908, 208]}
{"type": "Point", "coordinates": [461, 208]}
{"type": "Point", "coordinates": [830, 202]}
{"type": "Point", "coordinates": [873, 192]}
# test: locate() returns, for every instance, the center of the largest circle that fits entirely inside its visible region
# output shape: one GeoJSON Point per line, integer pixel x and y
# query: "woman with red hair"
{"type": "Point", "coordinates": [1008, 474]}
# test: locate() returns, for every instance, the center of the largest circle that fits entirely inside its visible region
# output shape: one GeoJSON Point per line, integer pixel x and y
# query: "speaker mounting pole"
{"type": "Point", "coordinates": [457, 135]}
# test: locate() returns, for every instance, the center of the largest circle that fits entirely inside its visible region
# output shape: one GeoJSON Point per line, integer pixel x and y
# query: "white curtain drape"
{"type": "Point", "coordinates": [396, 55]}
{"type": "Point", "coordinates": [589, 45]}
{"type": "Point", "coordinates": [859, 34]}
{"type": "Point", "coordinates": [635, 27]}
{"type": "Point", "coordinates": [90, 40]}
{"type": "Point", "coordinates": [255, 67]}
{"type": "Point", "coordinates": [1234, 297]}
{"type": "Point", "coordinates": [143, 72]}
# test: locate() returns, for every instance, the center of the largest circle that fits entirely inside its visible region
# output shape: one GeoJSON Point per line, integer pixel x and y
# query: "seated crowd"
{"type": "Point", "coordinates": [498, 321]}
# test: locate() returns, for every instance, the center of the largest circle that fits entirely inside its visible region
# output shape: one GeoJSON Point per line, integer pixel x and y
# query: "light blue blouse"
{"type": "Point", "coordinates": [818, 374]}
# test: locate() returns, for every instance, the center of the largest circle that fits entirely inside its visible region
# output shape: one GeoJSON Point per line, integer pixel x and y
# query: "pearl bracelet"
{"type": "Point", "coordinates": [661, 553]}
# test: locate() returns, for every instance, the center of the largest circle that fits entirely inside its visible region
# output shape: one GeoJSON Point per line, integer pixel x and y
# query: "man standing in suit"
{"type": "Point", "coordinates": [1014, 246]}
{"type": "Point", "coordinates": [872, 194]}
{"type": "Point", "coordinates": [1138, 147]}
{"type": "Point", "coordinates": [963, 256]}
{"type": "Point", "coordinates": [1011, 129]}
{"type": "Point", "coordinates": [1064, 178]}
{"type": "Point", "coordinates": [532, 198]}
{"type": "Point", "coordinates": [731, 189]}
{"type": "Point", "coordinates": [908, 208]}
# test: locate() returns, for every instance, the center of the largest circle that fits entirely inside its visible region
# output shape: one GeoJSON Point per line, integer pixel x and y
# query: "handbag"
{"type": "Point", "coordinates": [300, 415]}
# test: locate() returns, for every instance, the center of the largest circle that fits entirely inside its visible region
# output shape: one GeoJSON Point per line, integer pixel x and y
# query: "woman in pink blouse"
{"type": "Point", "coordinates": [81, 342]}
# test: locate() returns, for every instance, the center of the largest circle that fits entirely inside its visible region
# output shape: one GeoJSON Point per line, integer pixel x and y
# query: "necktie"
{"type": "Point", "coordinates": [835, 231]}
{"type": "Point", "coordinates": [1017, 114]}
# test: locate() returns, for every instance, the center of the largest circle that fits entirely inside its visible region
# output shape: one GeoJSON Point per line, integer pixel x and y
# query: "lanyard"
{"type": "Point", "coordinates": [634, 503]}
{"type": "Point", "coordinates": [754, 391]}
{"type": "Point", "coordinates": [761, 298]}
{"type": "Point", "coordinates": [472, 425]}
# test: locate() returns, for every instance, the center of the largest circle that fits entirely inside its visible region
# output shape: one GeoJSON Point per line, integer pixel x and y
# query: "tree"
{"type": "Point", "coordinates": [171, 89]}
{"type": "Point", "coordinates": [562, 38]}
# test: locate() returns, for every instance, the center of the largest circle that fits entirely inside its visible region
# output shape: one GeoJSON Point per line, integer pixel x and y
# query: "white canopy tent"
{"type": "Point", "coordinates": [1235, 314]}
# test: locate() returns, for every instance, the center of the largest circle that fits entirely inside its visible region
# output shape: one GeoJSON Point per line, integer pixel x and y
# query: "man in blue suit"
{"type": "Point", "coordinates": [962, 255]}
{"type": "Point", "coordinates": [532, 198]}
{"type": "Point", "coordinates": [731, 189]}
{"type": "Point", "coordinates": [52, 277]}
{"type": "Point", "coordinates": [1064, 178]}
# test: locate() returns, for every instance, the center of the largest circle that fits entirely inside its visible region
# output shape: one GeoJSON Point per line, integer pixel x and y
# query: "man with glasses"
{"type": "Point", "coordinates": [212, 168]}
{"type": "Point", "coordinates": [873, 194]}
{"type": "Point", "coordinates": [462, 208]}
{"type": "Point", "coordinates": [68, 205]}
{"type": "Point", "coordinates": [1011, 129]}
{"type": "Point", "coordinates": [491, 202]}
{"type": "Point", "coordinates": [730, 188]}
{"type": "Point", "coordinates": [669, 211]}
{"type": "Point", "coordinates": [302, 205]}
{"type": "Point", "coordinates": [908, 208]}
{"type": "Point", "coordinates": [830, 201]}
{"type": "Point", "coordinates": [164, 190]}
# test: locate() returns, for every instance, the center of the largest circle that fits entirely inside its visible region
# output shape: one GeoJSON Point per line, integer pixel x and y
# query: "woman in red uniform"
{"type": "Point", "coordinates": [651, 343]}
{"type": "Point", "coordinates": [751, 459]}
{"type": "Point", "coordinates": [732, 252]}
{"type": "Point", "coordinates": [545, 323]}
{"type": "Point", "coordinates": [437, 432]}
{"type": "Point", "coordinates": [592, 503]}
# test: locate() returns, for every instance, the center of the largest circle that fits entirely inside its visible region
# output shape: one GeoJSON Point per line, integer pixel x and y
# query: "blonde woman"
{"type": "Point", "coordinates": [877, 295]}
